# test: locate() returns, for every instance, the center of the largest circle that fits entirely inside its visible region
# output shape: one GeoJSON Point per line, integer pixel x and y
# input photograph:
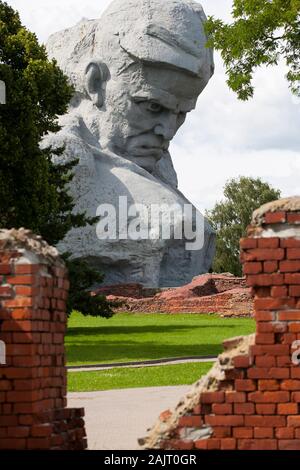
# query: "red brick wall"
{"type": "Point", "coordinates": [252, 400]}
{"type": "Point", "coordinates": [33, 292]}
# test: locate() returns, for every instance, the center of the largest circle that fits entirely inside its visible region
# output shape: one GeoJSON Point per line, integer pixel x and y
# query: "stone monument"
{"type": "Point", "coordinates": [137, 72]}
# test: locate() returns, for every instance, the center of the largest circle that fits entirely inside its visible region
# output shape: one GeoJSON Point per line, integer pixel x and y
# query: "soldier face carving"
{"type": "Point", "coordinates": [143, 109]}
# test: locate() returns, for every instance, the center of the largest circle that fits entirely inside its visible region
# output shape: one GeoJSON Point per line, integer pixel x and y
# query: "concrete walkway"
{"type": "Point", "coordinates": [115, 419]}
{"type": "Point", "coordinates": [150, 363]}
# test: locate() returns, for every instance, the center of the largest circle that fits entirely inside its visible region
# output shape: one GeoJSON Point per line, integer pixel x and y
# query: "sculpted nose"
{"type": "Point", "coordinates": [167, 126]}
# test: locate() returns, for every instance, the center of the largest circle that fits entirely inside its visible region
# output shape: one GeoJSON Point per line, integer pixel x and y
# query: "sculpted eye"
{"type": "Point", "coordinates": [154, 107]}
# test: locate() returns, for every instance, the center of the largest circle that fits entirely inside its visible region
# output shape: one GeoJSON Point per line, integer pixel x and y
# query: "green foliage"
{"type": "Point", "coordinates": [263, 32]}
{"type": "Point", "coordinates": [33, 190]}
{"type": "Point", "coordinates": [82, 277]}
{"type": "Point", "coordinates": [231, 217]}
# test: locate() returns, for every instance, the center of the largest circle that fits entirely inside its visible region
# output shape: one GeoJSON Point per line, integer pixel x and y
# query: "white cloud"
{"type": "Point", "coordinates": [224, 137]}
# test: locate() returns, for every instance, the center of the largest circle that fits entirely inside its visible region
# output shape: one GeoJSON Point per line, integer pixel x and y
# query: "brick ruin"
{"type": "Point", "coordinates": [33, 292]}
{"type": "Point", "coordinates": [250, 399]}
{"type": "Point", "coordinates": [221, 294]}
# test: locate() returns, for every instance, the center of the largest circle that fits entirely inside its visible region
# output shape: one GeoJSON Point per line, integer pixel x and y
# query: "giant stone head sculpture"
{"type": "Point", "coordinates": [137, 72]}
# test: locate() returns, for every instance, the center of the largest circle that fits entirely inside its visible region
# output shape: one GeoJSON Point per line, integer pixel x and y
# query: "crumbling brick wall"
{"type": "Point", "coordinates": [33, 293]}
{"type": "Point", "coordinates": [250, 400]}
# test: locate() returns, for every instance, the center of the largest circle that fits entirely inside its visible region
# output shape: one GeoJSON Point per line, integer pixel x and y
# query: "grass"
{"type": "Point", "coordinates": [179, 374]}
{"type": "Point", "coordinates": [135, 337]}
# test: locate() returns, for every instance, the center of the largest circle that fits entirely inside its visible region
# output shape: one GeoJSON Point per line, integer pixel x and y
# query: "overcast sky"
{"type": "Point", "coordinates": [223, 137]}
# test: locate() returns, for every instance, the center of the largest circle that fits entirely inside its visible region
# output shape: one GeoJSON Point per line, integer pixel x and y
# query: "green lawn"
{"type": "Point", "coordinates": [135, 337]}
{"type": "Point", "coordinates": [159, 376]}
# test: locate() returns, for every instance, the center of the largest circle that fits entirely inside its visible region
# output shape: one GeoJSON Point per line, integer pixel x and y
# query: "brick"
{"type": "Point", "coordinates": [279, 291]}
{"type": "Point", "coordinates": [27, 268]}
{"type": "Point", "coordinates": [265, 421]}
{"type": "Point", "coordinates": [293, 421]}
{"type": "Point", "coordinates": [244, 408]}
{"type": "Point", "coordinates": [293, 253]}
{"type": "Point", "coordinates": [183, 445]}
{"type": "Point", "coordinates": [265, 361]}
{"type": "Point", "coordinates": [264, 338]}
{"type": "Point", "coordinates": [6, 291]}
{"type": "Point", "coordinates": [213, 444]}
{"type": "Point", "coordinates": [261, 292]}
{"type": "Point", "coordinates": [268, 242]}
{"type": "Point", "coordinates": [241, 361]}
{"type": "Point", "coordinates": [38, 443]}
{"type": "Point", "coordinates": [12, 444]}
{"type": "Point", "coordinates": [27, 290]}
{"type": "Point", "coordinates": [245, 385]}
{"type": "Point", "coordinates": [294, 291]}
{"type": "Point", "coordinates": [264, 254]}
{"type": "Point", "coordinates": [212, 397]}
{"type": "Point", "coordinates": [269, 397]}
{"type": "Point", "coordinates": [22, 280]}
{"type": "Point", "coordinates": [202, 444]}
{"type": "Point", "coordinates": [18, 431]}
{"type": "Point", "coordinates": [264, 385]}
{"type": "Point", "coordinates": [228, 444]}
{"type": "Point", "coordinates": [284, 433]}
{"type": "Point", "coordinates": [287, 408]}
{"type": "Point", "coordinates": [295, 372]}
{"type": "Point", "coordinates": [278, 217]}
{"type": "Point", "coordinates": [271, 327]}
{"type": "Point", "coordinates": [243, 433]}
{"type": "Point", "coordinates": [290, 385]}
{"type": "Point", "coordinates": [283, 361]}
{"type": "Point", "coordinates": [270, 266]}
{"type": "Point", "coordinates": [263, 316]}
{"type": "Point", "coordinates": [263, 433]}
{"type": "Point", "coordinates": [294, 327]}
{"type": "Point", "coordinates": [292, 278]}
{"type": "Point", "coordinates": [293, 218]}
{"type": "Point", "coordinates": [289, 315]}
{"type": "Point", "coordinates": [258, 373]}
{"type": "Point", "coordinates": [265, 408]}
{"type": "Point", "coordinates": [257, 444]}
{"type": "Point", "coordinates": [5, 269]}
{"type": "Point", "coordinates": [222, 431]}
{"type": "Point", "coordinates": [279, 373]}
{"type": "Point", "coordinates": [295, 397]}
{"type": "Point", "coordinates": [235, 397]}
{"type": "Point", "coordinates": [271, 303]}
{"type": "Point", "coordinates": [248, 243]}
{"type": "Point", "coordinates": [288, 266]}
{"type": "Point", "coordinates": [286, 444]}
{"type": "Point", "coordinates": [19, 302]}
{"type": "Point", "coordinates": [252, 268]}
{"type": "Point", "coordinates": [190, 421]}
{"type": "Point", "coordinates": [272, 350]}
{"type": "Point", "coordinates": [275, 279]}
{"type": "Point", "coordinates": [289, 243]}
{"type": "Point", "coordinates": [222, 408]}
{"type": "Point", "coordinates": [224, 420]}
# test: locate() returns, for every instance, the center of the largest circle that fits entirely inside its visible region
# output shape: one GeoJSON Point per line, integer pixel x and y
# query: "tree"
{"type": "Point", "coordinates": [263, 32]}
{"type": "Point", "coordinates": [231, 217]}
{"type": "Point", "coordinates": [33, 191]}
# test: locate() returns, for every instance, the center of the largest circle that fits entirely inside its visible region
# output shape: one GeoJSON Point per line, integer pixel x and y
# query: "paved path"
{"type": "Point", "coordinates": [115, 419]}
{"type": "Point", "coordinates": [150, 363]}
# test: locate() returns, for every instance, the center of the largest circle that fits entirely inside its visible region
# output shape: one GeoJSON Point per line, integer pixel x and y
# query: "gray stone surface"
{"type": "Point", "coordinates": [137, 71]}
{"type": "Point", "coordinates": [116, 419]}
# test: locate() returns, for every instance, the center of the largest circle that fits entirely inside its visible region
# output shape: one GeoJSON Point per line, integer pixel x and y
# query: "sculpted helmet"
{"type": "Point", "coordinates": [148, 31]}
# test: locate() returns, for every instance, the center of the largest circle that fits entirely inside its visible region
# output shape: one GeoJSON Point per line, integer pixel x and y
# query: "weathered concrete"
{"type": "Point", "coordinates": [116, 418]}
{"type": "Point", "coordinates": [137, 71]}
